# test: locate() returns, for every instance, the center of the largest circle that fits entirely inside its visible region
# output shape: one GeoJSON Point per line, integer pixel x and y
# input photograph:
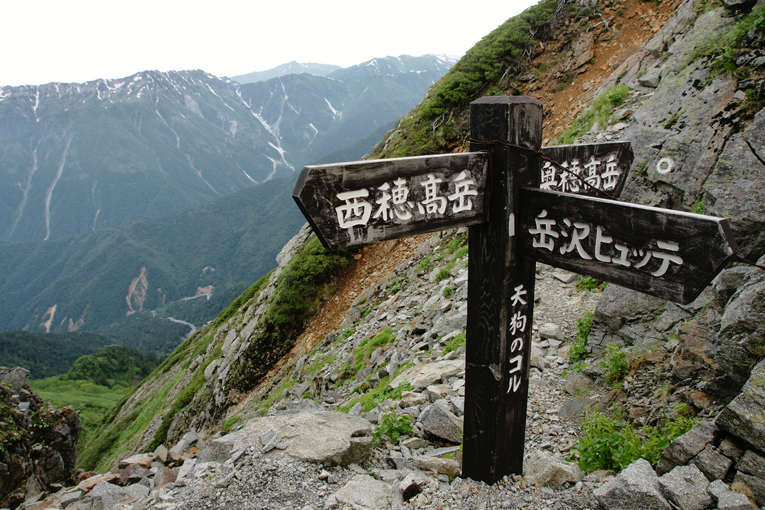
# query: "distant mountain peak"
{"type": "Point", "coordinates": [293, 67]}
{"type": "Point", "coordinates": [390, 65]}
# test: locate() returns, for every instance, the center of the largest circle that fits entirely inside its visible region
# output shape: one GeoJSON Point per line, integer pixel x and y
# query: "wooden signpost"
{"type": "Point", "coordinates": [523, 203]}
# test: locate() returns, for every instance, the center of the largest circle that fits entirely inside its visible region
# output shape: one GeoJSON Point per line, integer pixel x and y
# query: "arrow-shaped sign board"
{"type": "Point", "coordinates": [665, 253]}
{"type": "Point", "coordinates": [350, 204]}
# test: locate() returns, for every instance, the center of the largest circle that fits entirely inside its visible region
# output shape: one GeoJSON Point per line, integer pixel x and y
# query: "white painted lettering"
{"type": "Point", "coordinates": [355, 211]}
{"type": "Point", "coordinates": [544, 230]}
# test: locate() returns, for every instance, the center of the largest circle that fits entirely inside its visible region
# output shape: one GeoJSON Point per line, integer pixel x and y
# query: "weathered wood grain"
{"type": "Point", "coordinates": [351, 204]}
{"type": "Point", "coordinates": [500, 293]}
{"type": "Point", "coordinates": [665, 253]}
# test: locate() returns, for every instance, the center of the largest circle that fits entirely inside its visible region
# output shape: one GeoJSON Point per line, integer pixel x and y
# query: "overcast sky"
{"type": "Point", "coordinates": [80, 40]}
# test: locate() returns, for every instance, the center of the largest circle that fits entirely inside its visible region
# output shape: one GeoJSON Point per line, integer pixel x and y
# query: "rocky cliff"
{"type": "Point", "coordinates": [38, 444]}
{"type": "Point", "coordinates": [378, 332]}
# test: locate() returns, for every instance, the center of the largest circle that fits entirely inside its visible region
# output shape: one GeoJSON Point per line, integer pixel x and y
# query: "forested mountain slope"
{"type": "Point", "coordinates": [88, 159]}
{"type": "Point", "coordinates": [126, 282]}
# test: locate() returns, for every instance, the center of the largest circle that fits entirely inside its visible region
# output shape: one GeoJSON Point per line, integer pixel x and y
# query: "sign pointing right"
{"type": "Point", "coordinates": [665, 253]}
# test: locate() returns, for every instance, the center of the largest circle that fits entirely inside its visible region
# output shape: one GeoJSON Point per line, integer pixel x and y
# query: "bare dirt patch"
{"type": "Point", "coordinates": [565, 95]}
{"type": "Point", "coordinates": [369, 265]}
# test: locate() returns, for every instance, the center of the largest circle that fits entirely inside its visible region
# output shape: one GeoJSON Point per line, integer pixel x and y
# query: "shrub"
{"type": "Point", "coordinates": [395, 285]}
{"type": "Point", "coordinates": [424, 264]}
{"type": "Point", "coordinates": [367, 346]}
{"type": "Point", "coordinates": [380, 393]}
{"type": "Point", "coordinates": [229, 423]}
{"type": "Point", "coordinates": [459, 241]}
{"type": "Point", "coordinates": [455, 343]}
{"type": "Point", "coordinates": [391, 427]}
{"type": "Point", "coordinates": [616, 365]}
{"type": "Point", "coordinates": [300, 284]}
{"type": "Point", "coordinates": [613, 444]}
{"type": "Point", "coordinates": [578, 350]}
{"type": "Point", "coordinates": [723, 50]}
{"type": "Point", "coordinates": [591, 284]}
{"type": "Point", "coordinates": [445, 273]}
{"type": "Point", "coordinates": [601, 111]}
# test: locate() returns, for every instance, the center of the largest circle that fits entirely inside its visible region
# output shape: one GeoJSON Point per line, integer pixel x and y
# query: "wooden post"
{"type": "Point", "coordinates": [500, 292]}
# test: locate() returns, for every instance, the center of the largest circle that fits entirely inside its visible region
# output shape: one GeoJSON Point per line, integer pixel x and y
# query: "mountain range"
{"type": "Point", "coordinates": [125, 202]}
{"type": "Point", "coordinates": [75, 158]}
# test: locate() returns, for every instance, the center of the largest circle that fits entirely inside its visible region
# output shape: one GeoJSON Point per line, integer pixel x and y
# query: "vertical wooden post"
{"type": "Point", "coordinates": [500, 292]}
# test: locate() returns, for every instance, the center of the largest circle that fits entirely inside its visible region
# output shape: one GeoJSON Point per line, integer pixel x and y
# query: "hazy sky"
{"type": "Point", "coordinates": [81, 40]}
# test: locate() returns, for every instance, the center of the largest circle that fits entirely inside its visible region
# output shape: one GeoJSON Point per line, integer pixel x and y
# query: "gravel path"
{"type": "Point", "coordinates": [255, 482]}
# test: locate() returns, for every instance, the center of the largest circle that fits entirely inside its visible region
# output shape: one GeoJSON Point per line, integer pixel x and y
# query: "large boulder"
{"type": "Point", "coordinates": [363, 492]}
{"type": "Point", "coordinates": [682, 449]}
{"type": "Point", "coordinates": [439, 420]}
{"type": "Point", "coordinates": [17, 377]}
{"type": "Point", "coordinates": [219, 449]}
{"type": "Point", "coordinates": [324, 437]}
{"type": "Point", "coordinates": [739, 342]}
{"type": "Point", "coordinates": [726, 499]}
{"type": "Point", "coordinates": [686, 487]}
{"type": "Point", "coordinates": [635, 487]}
{"type": "Point", "coordinates": [542, 468]}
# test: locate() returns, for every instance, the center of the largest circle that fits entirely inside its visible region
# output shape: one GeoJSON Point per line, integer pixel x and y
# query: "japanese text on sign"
{"type": "Point", "coordinates": [395, 202]}
{"type": "Point", "coordinates": [519, 321]}
{"type": "Point", "coordinates": [574, 176]}
{"type": "Point", "coordinates": [591, 242]}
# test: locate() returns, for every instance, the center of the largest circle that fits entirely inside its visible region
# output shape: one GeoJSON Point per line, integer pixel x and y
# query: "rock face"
{"type": "Point", "coordinates": [745, 416]}
{"type": "Point", "coordinates": [739, 340]}
{"type": "Point", "coordinates": [38, 444]}
{"type": "Point", "coordinates": [693, 151]}
{"type": "Point", "coordinates": [736, 188]}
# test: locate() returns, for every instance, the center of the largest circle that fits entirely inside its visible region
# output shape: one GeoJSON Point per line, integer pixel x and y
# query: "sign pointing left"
{"type": "Point", "coordinates": [351, 204]}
